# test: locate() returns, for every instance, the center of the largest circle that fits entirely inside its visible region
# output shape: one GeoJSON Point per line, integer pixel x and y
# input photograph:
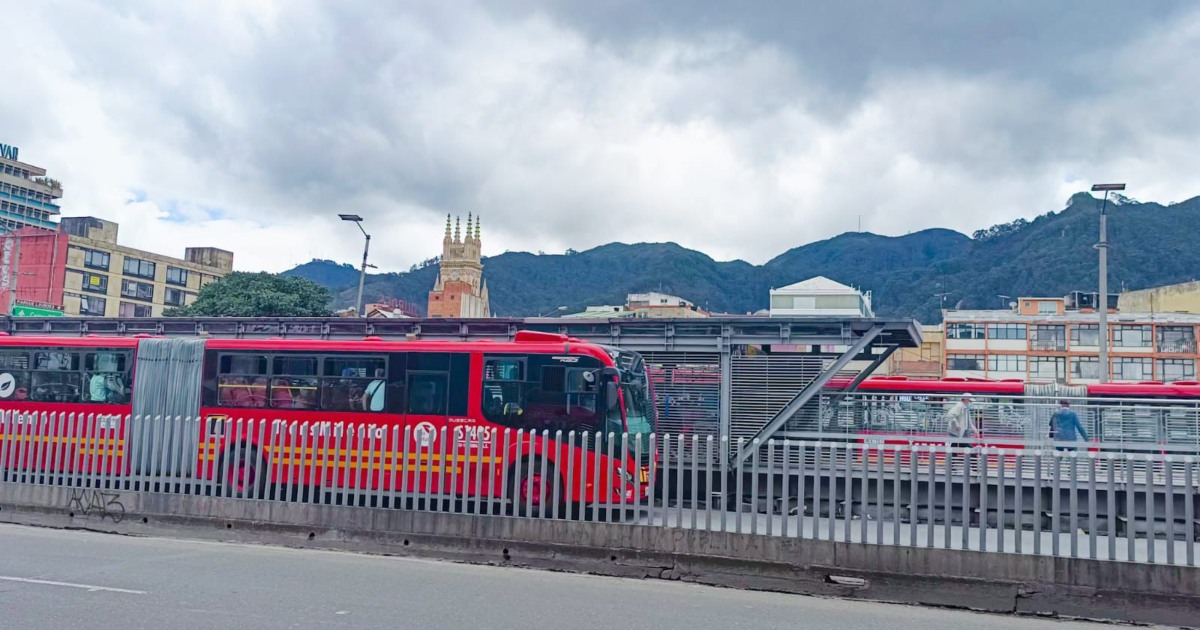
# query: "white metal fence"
{"type": "Point", "coordinates": [1069, 503]}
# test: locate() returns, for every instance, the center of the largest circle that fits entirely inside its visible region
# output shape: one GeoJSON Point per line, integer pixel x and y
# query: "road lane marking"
{"type": "Point", "coordinates": [86, 587]}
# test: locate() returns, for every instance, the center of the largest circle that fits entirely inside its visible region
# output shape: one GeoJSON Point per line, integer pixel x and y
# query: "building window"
{"type": "Point", "coordinates": [1006, 363]}
{"type": "Point", "coordinates": [1049, 337]}
{"type": "Point", "coordinates": [964, 331]}
{"type": "Point", "coordinates": [1176, 370]}
{"type": "Point", "coordinates": [1131, 336]}
{"type": "Point", "coordinates": [1132, 369]}
{"type": "Point", "coordinates": [965, 362]}
{"type": "Point", "coordinates": [175, 275]}
{"type": "Point", "coordinates": [137, 290]}
{"type": "Point", "coordinates": [1177, 339]}
{"type": "Point", "coordinates": [997, 332]}
{"type": "Point", "coordinates": [1048, 368]}
{"type": "Point", "coordinates": [92, 305]}
{"type": "Point", "coordinates": [1085, 335]}
{"type": "Point", "coordinates": [95, 282]}
{"type": "Point", "coordinates": [1047, 307]}
{"type": "Point", "coordinates": [1085, 368]}
{"type": "Point", "coordinates": [129, 309]}
{"type": "Point", "coordinates": [173, 297]}
{"type": "Point", "coordinates": [139, 268]}
{"type": "Point", "coordinates": [95, 259]}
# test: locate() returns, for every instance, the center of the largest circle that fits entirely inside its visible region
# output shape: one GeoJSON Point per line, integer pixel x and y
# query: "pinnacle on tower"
{"type": "Point", "coordinates": [457, 226]}
{"type": "Point", "coordinates": [476, 228]}
{"type": "Point", "coordinates": [468, 235]}
{"type": "Point", "coordinates": [447, 237]}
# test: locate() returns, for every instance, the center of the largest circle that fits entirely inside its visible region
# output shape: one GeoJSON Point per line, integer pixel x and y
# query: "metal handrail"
{"type": "Point", "coordinates": [1151, 425]}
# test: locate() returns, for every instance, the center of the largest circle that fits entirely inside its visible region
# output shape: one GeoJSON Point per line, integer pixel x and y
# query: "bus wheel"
{"type": "Point", "coordinates": [246, 473]}
{"type": "Point", "coordinates": [534, 492]}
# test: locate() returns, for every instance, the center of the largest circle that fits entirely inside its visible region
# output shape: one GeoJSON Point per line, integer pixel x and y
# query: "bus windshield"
{"type": "Point", "coordinates": [640, 414]}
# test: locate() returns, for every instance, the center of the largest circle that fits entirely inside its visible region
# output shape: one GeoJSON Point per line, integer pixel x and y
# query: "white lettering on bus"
{"type": "Point", "coordinates": [474, 436]}
{"type": "Point", "coordinates": [333, 429]}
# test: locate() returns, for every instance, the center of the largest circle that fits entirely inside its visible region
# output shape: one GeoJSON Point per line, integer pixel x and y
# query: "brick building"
{"type": "Point", "coordinates": [460, 290]}
{"type": "Point", "coordinates": [80, 269]}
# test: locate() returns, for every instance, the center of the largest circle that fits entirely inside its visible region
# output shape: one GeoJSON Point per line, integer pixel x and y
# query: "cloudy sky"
{"type": "Point", "coordinates": [738, 128]}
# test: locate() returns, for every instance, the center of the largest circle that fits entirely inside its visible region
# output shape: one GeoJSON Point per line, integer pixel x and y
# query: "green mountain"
{"type": "Point", "coordinates": [1051, 255]}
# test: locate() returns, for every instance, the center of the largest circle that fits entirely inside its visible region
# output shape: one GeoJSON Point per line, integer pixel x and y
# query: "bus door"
{"type": "Point", "coordinates": [437, 391]}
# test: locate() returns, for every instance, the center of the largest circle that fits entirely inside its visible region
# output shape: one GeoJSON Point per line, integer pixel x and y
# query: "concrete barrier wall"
{"type": "Point", "coordinates": [986, 581]}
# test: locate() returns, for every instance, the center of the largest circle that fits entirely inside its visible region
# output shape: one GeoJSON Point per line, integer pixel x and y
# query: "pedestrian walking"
{"type": "Point", "coordinates": [959, 423]}
{"type": "Point", "coordinates": [1066, 427]}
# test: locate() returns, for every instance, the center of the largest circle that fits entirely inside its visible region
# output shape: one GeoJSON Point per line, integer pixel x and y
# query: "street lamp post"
{"type": "Point", "coordinates": [362, 274]}
{"type": "Point", "coordinates": [1102, 301]}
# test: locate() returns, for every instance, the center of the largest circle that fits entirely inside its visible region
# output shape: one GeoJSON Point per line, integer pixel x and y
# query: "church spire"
{"type": "Point", "coordinates": [447, 237]}
{"type": "Point", "coordinates": [476, 229]}
{"type": "Point", "coordinates": [467, 237]}
{"type": "Point", "coordinates": [457, 227]}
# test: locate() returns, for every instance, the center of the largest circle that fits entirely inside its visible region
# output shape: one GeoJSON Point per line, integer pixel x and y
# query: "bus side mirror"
{"type": "Point", "coordinates": [611, 397]}
{"type": "Point", "coordinates": [512, 410]}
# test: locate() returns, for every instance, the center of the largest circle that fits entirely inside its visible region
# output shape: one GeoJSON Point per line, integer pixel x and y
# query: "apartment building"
{"type": "Point", "coordinates": [1041, 340]}
{"type": "Point", "coordinates": [80, 269]}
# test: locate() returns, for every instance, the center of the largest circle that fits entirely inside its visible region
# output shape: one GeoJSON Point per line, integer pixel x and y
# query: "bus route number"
{"type": "Point", "coordinates": [474, 436]}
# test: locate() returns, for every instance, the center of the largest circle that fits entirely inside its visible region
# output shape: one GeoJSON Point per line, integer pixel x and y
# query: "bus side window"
{"type": "Point", "coordinates": [556, 400]}
{"type": "Point", "coordinates": [14, 375]}
{"type": "Point", "coordinates": [354, 383]}
{"type": "Point", "coordinates": [503, 384]}
{"type": "Point", "coordinates": [56, 387]}
{"type": "Point", "coordinates": [56, 360]}
{"type": "Point", "coordinates": [294, 383]}
{"type": "Point", "coordinates": [56, 377]}
{"type": "Point", "coordinates": [107, 375]}
{"type": "Point", "coordinates": [242, 380]}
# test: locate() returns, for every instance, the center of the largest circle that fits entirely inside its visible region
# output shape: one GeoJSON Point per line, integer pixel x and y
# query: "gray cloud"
{"type": "Point", "coordinates": [741, 131]}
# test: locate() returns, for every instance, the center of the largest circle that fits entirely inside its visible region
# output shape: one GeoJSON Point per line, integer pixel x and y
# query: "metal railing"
{"type": "Point", "coordinates": [1063, 503]}
{"type": "Point", "coordinates": [1140, 425]}
{"type": "Point", "coordinates": [1183, 346]}
{"type": "Point", "coordinates": [1048, 344]}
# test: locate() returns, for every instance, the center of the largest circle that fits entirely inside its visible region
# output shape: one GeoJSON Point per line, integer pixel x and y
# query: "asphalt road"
{"type": "Point", "coordinates": [70, 579]}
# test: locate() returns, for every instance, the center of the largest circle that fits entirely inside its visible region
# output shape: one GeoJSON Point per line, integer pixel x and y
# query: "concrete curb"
{"type": "Point", "coordinates": [994, 582]}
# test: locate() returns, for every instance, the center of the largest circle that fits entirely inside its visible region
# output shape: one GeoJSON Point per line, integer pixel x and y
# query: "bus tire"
{"type": "Point", "coordinates": [246, 475]}
{"type": "Point", "coordinates": [534, 497]}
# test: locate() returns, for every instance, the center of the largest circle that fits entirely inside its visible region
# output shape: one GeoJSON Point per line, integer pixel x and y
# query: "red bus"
{"type": "Point", "coordinates": [1146, 412]}
{"type": "Point", "coordinates": [421, 417]}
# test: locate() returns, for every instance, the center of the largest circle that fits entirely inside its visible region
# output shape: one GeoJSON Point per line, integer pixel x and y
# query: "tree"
{"type": "Point", "coordinates": [262, 294]}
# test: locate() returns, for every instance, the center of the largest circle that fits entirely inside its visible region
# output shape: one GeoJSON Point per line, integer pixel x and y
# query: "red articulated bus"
{"type": "Point", "coordinates": [421, 417]}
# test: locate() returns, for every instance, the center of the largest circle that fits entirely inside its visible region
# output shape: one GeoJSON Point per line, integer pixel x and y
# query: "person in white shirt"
{"type": "Point", "coordinates": [959, 423]}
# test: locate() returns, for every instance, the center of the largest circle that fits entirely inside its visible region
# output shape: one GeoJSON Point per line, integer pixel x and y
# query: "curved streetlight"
{"type": "Point", "coordinates": [362, 274]}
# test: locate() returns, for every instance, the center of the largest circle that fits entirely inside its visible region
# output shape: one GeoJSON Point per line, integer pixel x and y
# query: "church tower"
{"type": "Point", "coordinates": [460, 290]}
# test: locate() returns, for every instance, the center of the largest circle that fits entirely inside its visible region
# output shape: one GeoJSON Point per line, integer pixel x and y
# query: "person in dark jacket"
{"type": "Point", "coordinates": [1065, 425]}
